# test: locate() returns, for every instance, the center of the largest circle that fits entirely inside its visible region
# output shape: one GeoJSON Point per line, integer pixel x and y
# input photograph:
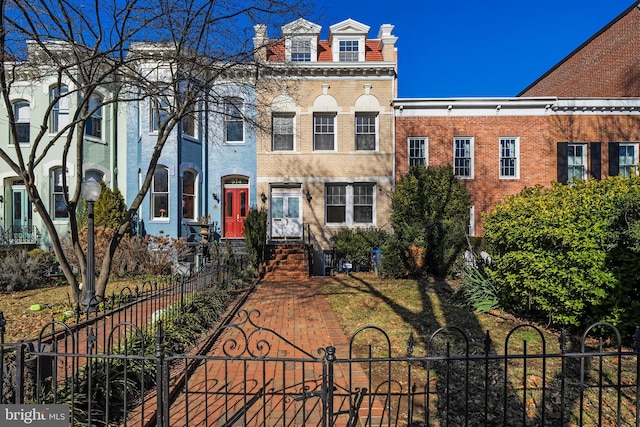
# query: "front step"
{"type": "Point", "coordinates": [286, 261]}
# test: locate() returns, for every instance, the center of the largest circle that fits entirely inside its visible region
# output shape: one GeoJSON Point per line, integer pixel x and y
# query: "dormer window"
{"type": "Point", "coordinates": [301, 41]}
{"type": "Point", "coordinates": [348, 51]}
{"type": "Point", "coordinates": [301, 50]}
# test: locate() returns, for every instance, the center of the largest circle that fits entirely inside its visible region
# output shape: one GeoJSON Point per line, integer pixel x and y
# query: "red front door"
{"type": "Point", "coordinates": [236, 207]}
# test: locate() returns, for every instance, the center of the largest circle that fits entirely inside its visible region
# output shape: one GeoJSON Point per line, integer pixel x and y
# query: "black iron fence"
{"type": "Point", "coordinates": [249, 375]}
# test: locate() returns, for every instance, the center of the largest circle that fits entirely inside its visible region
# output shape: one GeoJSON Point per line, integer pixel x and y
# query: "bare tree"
{"type": "Point", "coordinates": [169, 52]}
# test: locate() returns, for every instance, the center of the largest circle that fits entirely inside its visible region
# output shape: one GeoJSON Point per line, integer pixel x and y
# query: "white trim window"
{"type": "Point", "coordinates": [417, 151]}
{"type": "Point", "coordinates": [576, 162]}
{"type": "Point", "coordinates": [324, 132]}
{"type": "Point", "coordinates": [160, 193]}
{"type": "Point", "coordinates": [282, 131]}
{"type": "Point", "coordinates": [59, 117]}
{"type": "Point", "coordinates": [366, 134]}
{"type": "Point", "coordinates": [188, 123]}
{"type": "Point", "coordinates": [301, 49]}
{"type": "Point", "coordinates": [234, 120]}
{"type": "Point", "coordinates": [463, 157]}
{"type": "Point", "coordinates": [348, 51]}
{"type": "Point", "coordinates": [22, 116]}
{"type": "Point", "coordinates": [509, 157]}
{"type": "Point", "coordinates": [350, 204]}
{"type": "Point", "coordinates": [189, 190]}
{"type": "Point", "coordinates": [159, 112]}
{"type": "Point", "coordinates": [93, 125]}
{"type": "Point", "coordinates": [58, 205]}
{"type": "Point", "coordinates": [628, 159]}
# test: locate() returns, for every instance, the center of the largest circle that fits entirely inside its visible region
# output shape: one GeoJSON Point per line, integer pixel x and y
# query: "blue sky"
{"type": "Point", "coordinates": [471, 48]}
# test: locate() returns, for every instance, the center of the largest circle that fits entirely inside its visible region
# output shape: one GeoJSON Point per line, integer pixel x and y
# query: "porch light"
{"type": "Point", "coordinates": [308, 196]}
{"type": "Point", "coordinates": [263, 197]}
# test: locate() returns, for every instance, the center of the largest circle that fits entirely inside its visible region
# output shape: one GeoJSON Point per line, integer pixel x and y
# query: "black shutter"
{"type": "Point", "coordinates": [596, 160]}
{"type": "Point", "coordinates": [563, 171]}
{"type": "Point", "coordinates": [614, 158]}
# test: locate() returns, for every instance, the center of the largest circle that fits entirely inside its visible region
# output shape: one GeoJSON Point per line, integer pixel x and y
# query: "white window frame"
{"type": "Point", "coordinates": [462, 159]}
{"type": "Point", "coordinates": [95, 121]}
{"type": "Point", "coordinates": [57, 192]}
{"type": "Point", "coordinates": [189, 124]}
{"type": "Point", "coordinates": [322, 128]}
{"type": "Point", "coordinates": [509, 154]}
{"type": "Point", "coordinates": [349, 199]}
{"type": "Point", "coordinates": [22, 116]}
{"type": "Point", "coordinates": [158, 113]}
{"type": "Point", "coordinates": [423, 158]}
{"type": "Point", "coordinates": [59, 116]}
{"type": "Point", "coordinates": [364, 129]}
{"type": "Point", "coordinates": [346, 52]}
{"type": "Point", "coordinates": [276, 129]}
{"type": "Point", "coordinates": [162, 212]}
{"type": "Point", "coordinates": [573, 165]}
{"type": "Point", "coordinates": [301, 49]}
{"type": "Point", "coordinates": [234, 116]}
{"type": "Point", "coordinates": [193, 196]}
{"type": "Point", "coordinates": [627, 163]}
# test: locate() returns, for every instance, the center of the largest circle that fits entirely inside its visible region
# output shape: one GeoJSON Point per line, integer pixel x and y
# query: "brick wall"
{"type": "Point", "coordinates": [538, 137]}
{"type": "Point", "coordinates": [608, 65]}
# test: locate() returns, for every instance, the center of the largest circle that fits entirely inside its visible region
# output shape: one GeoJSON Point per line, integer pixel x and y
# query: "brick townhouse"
{"type": "Point", "coordinates": [580, 119]}
{"type": "Point", "coordinates": [325, 134]}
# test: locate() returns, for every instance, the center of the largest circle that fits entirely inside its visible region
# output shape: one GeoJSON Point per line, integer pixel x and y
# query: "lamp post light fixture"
{"type": "Point", "coordinates": [90, 190]}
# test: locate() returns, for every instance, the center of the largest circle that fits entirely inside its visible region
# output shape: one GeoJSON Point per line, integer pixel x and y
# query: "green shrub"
{"type": "Point", "coordinates": [476, 288]}
{"type": "Point", "coordinates": [430, 210]}
{"type": "Point", "coordinates": [394, 259]}
{"type": "Point", "coordinates": [569, 251]}
{"type": "Point", "coordinates": [355, 245]}
{"type": "Point", "coordinates": [255, 234]}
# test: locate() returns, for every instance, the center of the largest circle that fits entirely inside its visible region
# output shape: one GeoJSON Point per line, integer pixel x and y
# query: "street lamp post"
{"type": "Point", "coordinates": [90, 190]}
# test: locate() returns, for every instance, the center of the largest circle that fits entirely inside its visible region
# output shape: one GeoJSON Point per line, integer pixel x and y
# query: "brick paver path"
{"type": "Point", "coordinates": [254, 390]}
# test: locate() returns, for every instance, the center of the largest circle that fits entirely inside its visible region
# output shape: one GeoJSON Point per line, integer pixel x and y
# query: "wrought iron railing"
{"type": "Point", "coordinates": [21, 235]}
{"type": "Point", "coordinates": [257, 377]}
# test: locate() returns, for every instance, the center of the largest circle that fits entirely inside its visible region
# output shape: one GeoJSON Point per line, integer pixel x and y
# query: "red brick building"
{"type": "Point", "coordinates": [581, 119]}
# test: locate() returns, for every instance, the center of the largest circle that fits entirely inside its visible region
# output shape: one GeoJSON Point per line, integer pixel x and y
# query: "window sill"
{"type": "Point", "coordinates": [285, 152]}
{"type": "Point", "coordinates": [160, 220]}
{"type": "Point", "coordinates": [95, 139]}
{"type": "Point", "coordinates": [344, 224]}
{"type": "Point", "coordinates": [190, 138]}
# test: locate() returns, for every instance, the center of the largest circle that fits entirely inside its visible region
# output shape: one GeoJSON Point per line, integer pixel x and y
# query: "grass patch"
{"type": "Point", "coordinates": [24, 323]}
{"type": "Point", "coordinates": [419, 308]}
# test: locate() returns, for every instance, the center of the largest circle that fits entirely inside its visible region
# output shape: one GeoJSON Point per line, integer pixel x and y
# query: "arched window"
{"type": "Point", "coordinates": [58, 205]}
{"type": "Point", "coordinates": [93, 126]}
{"type": "Point", "coordinates": [189, 195]}
{"type": "Point", "coordinates": [160, 193]}
{"type": "Point", "coordinates": [22, 114]}
{"type": "Point", "coordinates": [59, 117]}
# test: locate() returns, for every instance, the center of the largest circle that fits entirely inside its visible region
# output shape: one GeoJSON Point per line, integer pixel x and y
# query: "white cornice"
{"type": "Point", "coordinates": [516, 106]}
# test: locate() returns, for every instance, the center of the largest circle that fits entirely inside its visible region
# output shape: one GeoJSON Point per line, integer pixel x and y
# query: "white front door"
{"type": "Point", "coordinates": [286, 215]}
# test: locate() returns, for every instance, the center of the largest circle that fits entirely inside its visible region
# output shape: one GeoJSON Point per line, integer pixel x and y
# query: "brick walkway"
{"type": "Point", "coordinates": [250, 388]}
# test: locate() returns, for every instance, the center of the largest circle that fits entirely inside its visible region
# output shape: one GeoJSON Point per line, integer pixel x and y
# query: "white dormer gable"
{"type": "Point", "coordinates": [347, 39]}
{"type": "Point", "coordinates": [301, 40]}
